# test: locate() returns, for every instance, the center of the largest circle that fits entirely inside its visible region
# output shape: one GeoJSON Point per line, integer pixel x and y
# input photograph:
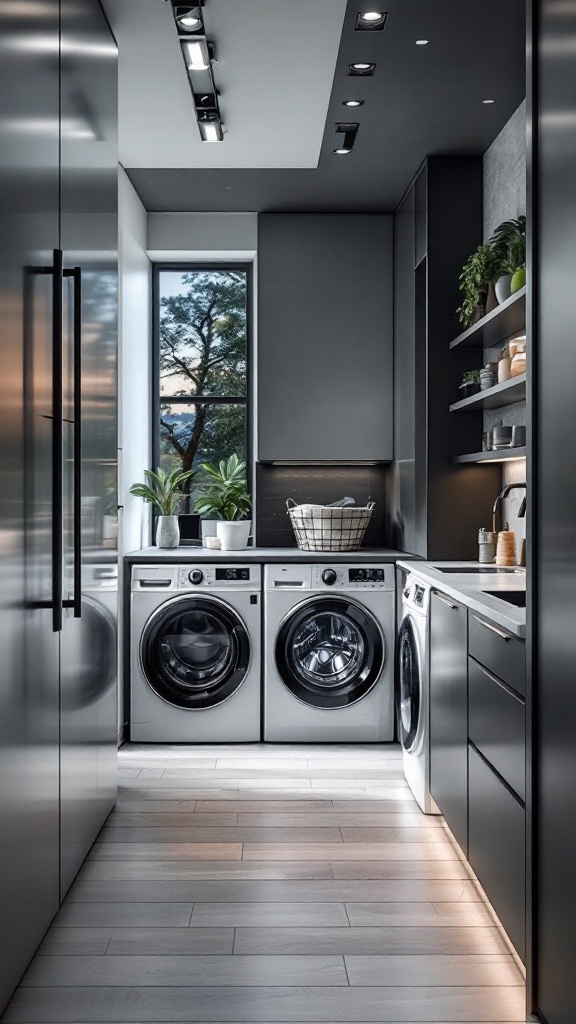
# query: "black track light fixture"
{"type": "Point", "coordinates": [199, 55]}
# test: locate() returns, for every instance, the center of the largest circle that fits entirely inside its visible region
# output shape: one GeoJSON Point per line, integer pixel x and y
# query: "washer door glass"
{"type": "Point", "coordinates": [409, 685]}
{"type": "Point", "coordinates": [329, 653]}
{"type": "Point", "coordinates": [195, 652]}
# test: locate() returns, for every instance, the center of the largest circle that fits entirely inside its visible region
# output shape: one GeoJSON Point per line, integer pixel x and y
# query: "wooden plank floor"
{"type": "Point", "coordinates": [271, 884]}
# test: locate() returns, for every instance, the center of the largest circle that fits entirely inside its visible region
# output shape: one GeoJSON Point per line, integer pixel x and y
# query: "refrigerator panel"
{"type": "Point", "coordinates": [29, 682]}
{"type": "Point", "coordinates": [89, 241]}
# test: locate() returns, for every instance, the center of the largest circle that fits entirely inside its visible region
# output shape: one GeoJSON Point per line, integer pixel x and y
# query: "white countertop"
{"type": "Point", "coordinates": [192, 553]}
{"type": "Point", "coordinates": [468, 588]}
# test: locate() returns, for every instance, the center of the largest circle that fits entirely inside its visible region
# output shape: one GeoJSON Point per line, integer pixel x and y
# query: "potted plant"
{"type": "Point", "coordinates": [509, 242]}
{"type": "Point", "coordinates": [164, 490]}
{"type": "Point", "coordinates": [470, 383]}
{"type": "Point", "coordinates": [226, 500]}
{"type": "Point", "coordinates": [477, 283]}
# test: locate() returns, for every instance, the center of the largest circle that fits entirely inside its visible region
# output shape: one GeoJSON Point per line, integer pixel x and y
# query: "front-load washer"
{"type": "Point", "coordinates": [329, 653]}
{"type": "Point", "coordinates": [195, 653]}
{"type": "Point", "coordinates": [413, 693]}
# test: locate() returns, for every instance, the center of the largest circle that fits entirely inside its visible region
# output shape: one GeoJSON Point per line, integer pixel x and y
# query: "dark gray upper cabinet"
{"type": "Point", "coordinates": [325, 387]}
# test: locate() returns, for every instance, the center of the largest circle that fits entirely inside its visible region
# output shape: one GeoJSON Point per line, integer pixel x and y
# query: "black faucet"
{"type": "Point", "coordinates": [504, 494]}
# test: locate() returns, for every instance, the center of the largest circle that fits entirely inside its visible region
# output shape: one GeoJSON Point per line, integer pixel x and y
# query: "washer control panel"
{"type": "Point", "coordinates": [353, 577]}
{"type": "Point", "coordinates": [219, 577]}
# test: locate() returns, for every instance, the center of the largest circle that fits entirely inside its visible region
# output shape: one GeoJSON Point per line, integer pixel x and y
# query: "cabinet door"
{"type": "Point", "coordinates": [89, 176]}
{"type": "Point", "coordinates": [449, 713]}
{"type": "Point", "coordinates": [325, 362]}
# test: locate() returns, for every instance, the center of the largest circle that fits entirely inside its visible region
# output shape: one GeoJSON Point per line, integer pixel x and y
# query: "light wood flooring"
{"type": "Point", "coordinates": [268, 884]}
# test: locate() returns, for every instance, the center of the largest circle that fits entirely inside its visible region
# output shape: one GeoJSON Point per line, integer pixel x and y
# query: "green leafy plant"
{"type": "Point", "coordinates": [163, 489]}
{"type": "Point", "coordinates": [226, 494]}
{"type": "Point", "coordinates": [470, 377]}
{"type": "Point", "coordinates": [509, 243]}
{"type": "Point", "coordinates": [484, 267]}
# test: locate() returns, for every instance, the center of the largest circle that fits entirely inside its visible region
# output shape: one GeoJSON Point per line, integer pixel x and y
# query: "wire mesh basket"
{"type": "Point", "coordinates": [329, 529]}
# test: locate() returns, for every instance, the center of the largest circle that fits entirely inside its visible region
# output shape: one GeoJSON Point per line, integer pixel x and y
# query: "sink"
{"type": "Point", "coordinates": [516, 597]}
{"type": "Point", "coordinates": [477, 569]}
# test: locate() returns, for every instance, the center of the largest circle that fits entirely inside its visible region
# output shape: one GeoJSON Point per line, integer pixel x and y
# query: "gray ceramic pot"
{"type": "Point", "coordinates": [503, 287]}
{"type": "Point", "coordinates": [167, 532]}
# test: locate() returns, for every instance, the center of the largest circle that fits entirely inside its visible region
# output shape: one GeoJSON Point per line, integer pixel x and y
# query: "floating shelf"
{"type": "Point", "coordinates": [511, 391]}
{"type": "Point", "coordinates": [508, 319]}
{"type": "Point", "coordinates": [502, 455]}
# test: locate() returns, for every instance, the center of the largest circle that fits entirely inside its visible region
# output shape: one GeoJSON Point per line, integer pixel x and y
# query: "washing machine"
{"type": "Point", "coordinates": [329, 653]}
{"type": "Point", "coordinates": [413, 692]}
{"type": "Point", "coordinates": [195, 653]}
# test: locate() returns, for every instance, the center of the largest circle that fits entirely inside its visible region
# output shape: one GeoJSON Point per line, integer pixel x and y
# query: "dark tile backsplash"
{"type": "Point", "coordinates": [322, 484]}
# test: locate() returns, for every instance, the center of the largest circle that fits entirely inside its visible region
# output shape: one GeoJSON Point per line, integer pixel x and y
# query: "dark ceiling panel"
{"type": "Point", "coordinates": [421, 100]}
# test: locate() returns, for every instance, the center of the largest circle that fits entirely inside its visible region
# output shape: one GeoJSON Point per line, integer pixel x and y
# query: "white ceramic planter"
{"type": "Point", "coordinates": [503, 287]}
{"type": "Point", "coordinates": [167, 532]}
{"type": "Point", "coordinates": [233, 536]}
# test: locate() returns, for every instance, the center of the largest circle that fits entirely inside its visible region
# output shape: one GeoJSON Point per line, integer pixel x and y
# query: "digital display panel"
{"type": "Point", "coordinates": [233, 574]}
{"type": "Point", "coordinates": [366, 575]}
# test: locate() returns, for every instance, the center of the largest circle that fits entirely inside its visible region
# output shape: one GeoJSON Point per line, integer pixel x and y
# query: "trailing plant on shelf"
{"type": "Point", "coordinates": [509, 242]}
{"type": "Point", "coordinates": [483, 268]}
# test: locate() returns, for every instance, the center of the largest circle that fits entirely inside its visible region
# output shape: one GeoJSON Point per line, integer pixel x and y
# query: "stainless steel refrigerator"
{"type": "Point", "coordinates": [58, 340]}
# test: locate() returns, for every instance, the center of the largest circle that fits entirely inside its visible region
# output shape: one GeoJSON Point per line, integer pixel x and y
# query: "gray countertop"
{"type": "Point", "coordinates": [188, 553]}
{"type": "Point", "coordinates": [468, 588]}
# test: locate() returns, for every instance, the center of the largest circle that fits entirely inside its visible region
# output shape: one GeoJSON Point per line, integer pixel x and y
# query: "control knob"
{"type": "Point", "coordinates": [196, 576]}
{"type": "Point", "coordinates": [329, 577]}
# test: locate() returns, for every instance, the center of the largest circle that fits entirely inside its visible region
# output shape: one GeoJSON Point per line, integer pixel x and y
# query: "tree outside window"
{"type": "Point", "coordinates": [202, 352]}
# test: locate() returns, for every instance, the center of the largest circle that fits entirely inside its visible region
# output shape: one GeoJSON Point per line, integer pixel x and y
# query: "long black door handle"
{"type": "Point", "coordinates": [57, 442]}
{"type": "Point", "coordinates": [76, 274]}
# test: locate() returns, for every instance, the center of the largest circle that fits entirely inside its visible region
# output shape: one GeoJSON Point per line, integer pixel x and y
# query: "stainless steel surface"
{"type": "Point", "coordinates": [458, 571]}
{"type": "Point", "coordinates": [89, 242]}
{"type": "Point", "coordinates": [29, 648]}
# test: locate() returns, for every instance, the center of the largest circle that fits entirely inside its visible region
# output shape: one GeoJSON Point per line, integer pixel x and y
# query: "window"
{"type": "Point", "coordinates": [201, 350]}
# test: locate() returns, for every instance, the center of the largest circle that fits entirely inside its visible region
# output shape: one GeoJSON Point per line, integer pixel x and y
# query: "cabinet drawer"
{"type": "Point", "coordinates": [497, 846]}
{"type": "Point", "coordinates": [497, 726]}
{"type": "Point", "coordinates": [502, 654]}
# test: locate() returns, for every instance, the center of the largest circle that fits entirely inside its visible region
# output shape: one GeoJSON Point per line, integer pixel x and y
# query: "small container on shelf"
{"type": "Point", "coordinates": [486, 546]}
{"type": "Point", "coordinates": [506, 548]}
{"type": "Point", "coordinates": [504, 363]}
{"type": "Point", "coordinates": [488, 376]}
{"type": "Point", "coordinates": [518, 361]}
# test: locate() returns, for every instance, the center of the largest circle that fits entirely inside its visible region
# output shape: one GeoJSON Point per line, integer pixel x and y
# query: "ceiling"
{"type": "Point", "coordinates": [274, 72]}
{"type": "Point", "coordinates": [283, 69]}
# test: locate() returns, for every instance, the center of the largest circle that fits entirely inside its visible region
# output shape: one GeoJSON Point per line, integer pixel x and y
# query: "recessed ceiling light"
{"type": "Point", "coordinates": [197, 56]}
{"type": "Point", "coordinates": [353, 103]}
{"type": "Point", "coordinates": [422, 42]}
{"type": "Point", "coordinates": [487, 102]}
{"type": "Point", "coordinates": [371, 21]}
{"type": "Point", "coordinates": [342, 152]}
{"type": "Point", "coordinates": [361, 68]}
{"type": "Point", "coordinates": [189, 22]}
{"type": "Point", "coordinates": [349, 131]}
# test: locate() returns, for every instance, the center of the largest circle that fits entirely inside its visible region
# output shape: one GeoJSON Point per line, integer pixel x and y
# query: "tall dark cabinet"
{"type": "Point", "coordinates": [554, 551]}
{"type": "Point", "coordinates": [437, 507]}
{"type": "Point", "coordinates": [58, 271]}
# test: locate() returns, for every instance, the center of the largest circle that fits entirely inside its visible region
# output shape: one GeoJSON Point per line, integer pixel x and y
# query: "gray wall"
{"type": "Point", "coordinates": [504, 198]}
{"type": "Point", "coordinates": [505, 173]}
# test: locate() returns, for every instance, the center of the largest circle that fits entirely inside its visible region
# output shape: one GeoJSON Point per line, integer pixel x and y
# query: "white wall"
{"type": "Point", "coordinates": [135, 297]}
{"type": "Point", "coordinates": [202, 235]}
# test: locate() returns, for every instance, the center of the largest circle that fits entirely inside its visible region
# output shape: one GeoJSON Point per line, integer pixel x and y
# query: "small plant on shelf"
{"type": "Point", "coordinates": [470, 383]}
{"type": "Point", "coordinates": [164, 490]}
{"type": "Point", "coordinates": [483, 268]}
{"type": "Point", "coordinates": [509, 242]}
{"type": "Point", "coordinates": [226, 500]}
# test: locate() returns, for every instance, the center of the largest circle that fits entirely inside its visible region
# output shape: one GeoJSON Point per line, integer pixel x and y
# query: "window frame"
{"type": "Point", "coordinates": [183, 267]}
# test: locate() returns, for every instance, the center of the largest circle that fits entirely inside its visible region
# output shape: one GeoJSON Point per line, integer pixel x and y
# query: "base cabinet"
{"type": "Point", "coordinates": [449, 713]}
{"type": "Point", "coordinates": [497, 846]}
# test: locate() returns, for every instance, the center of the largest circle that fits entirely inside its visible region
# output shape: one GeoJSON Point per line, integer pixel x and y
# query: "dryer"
{"type": "Point", "coordinates": [195, 653]}
{"type": "Point", "coordinates": [413, 693]}
{"type": "Point", "coordinates": [329, 653]}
